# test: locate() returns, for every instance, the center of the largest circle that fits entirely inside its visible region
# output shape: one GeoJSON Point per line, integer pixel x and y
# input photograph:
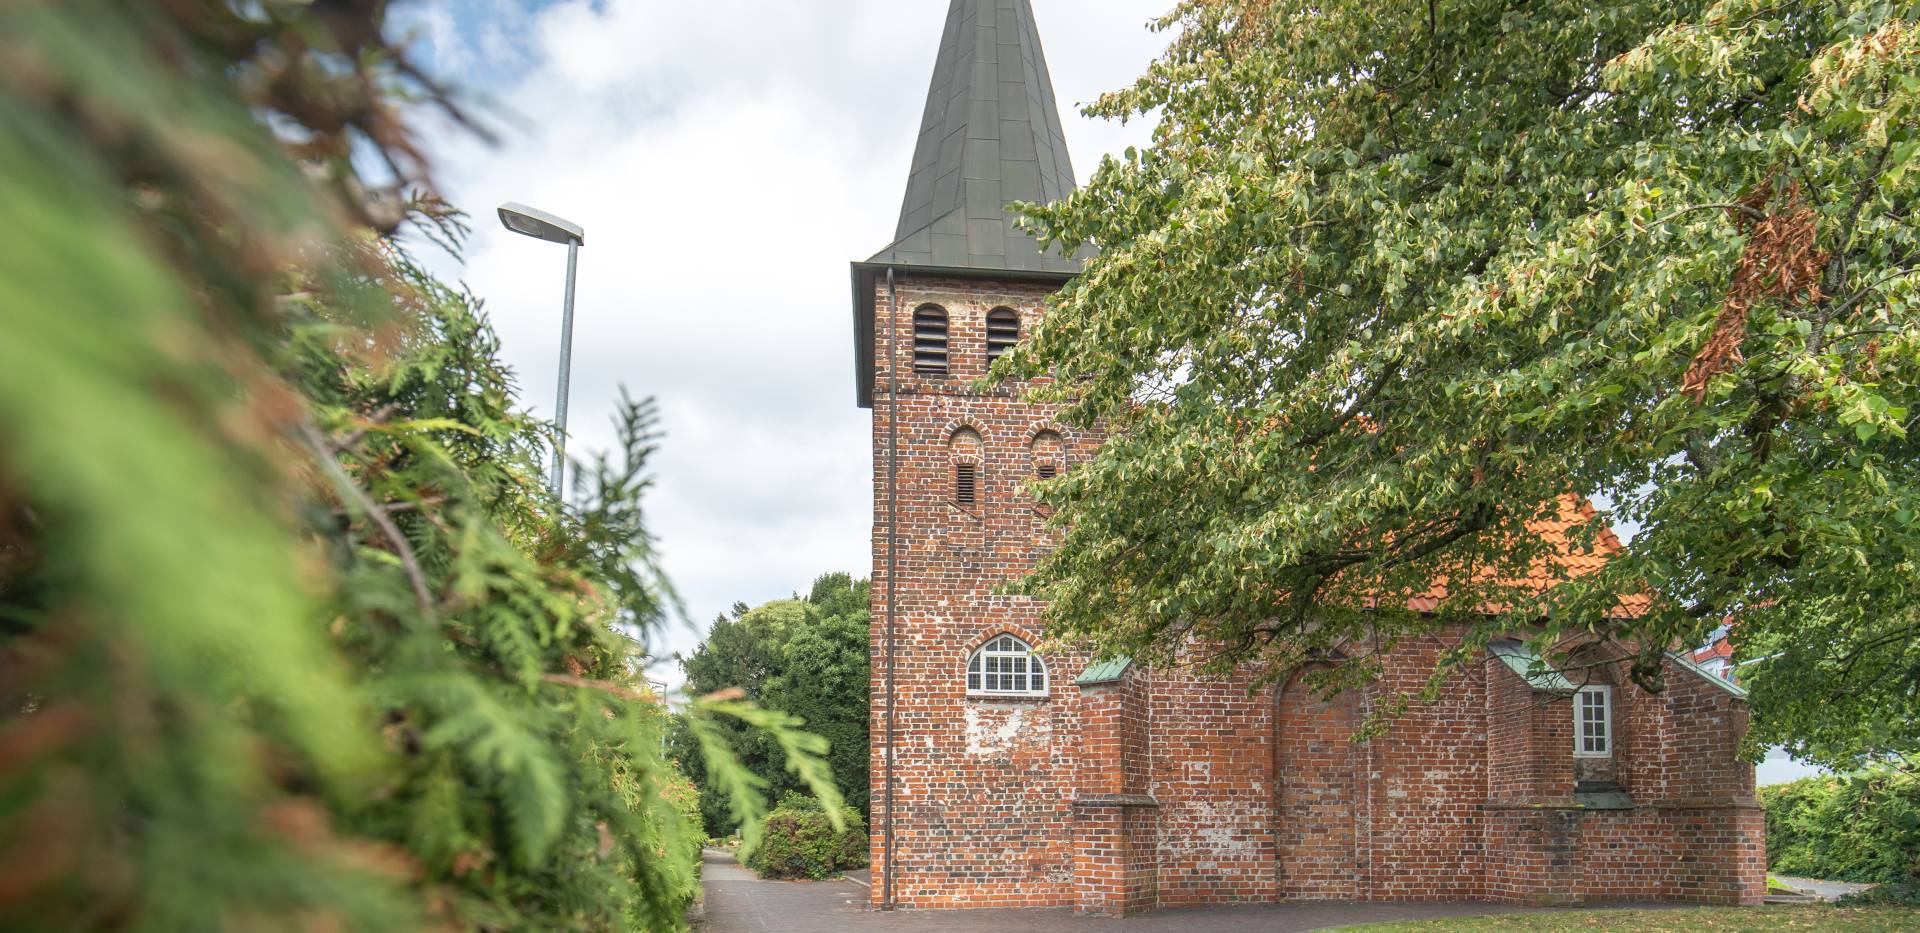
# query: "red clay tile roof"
{"type": "Point", "coordinates": [1567, 559]}
{"type": "Point", "coordinates": [1719, 649]}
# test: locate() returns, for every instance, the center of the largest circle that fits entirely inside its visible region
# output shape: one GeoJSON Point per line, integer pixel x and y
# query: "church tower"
{"type": "Point", "coordinates": [973, 734]}
{"type": "Point", "coordinates": [1006, 776]}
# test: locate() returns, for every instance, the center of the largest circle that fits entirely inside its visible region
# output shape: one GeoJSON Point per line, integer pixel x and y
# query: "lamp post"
{"type": "Point", "coordinates": [541, 225]}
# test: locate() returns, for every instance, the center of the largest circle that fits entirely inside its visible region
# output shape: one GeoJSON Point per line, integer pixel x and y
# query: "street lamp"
{"type": "Point", "coordinates": [541, 225]}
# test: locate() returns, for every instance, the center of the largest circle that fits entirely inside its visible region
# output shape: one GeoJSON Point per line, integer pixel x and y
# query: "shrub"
{"type": "Point", "coordinates": [794, 800]}
{"type": "Point", "coordinates": [1862, 827]}
{"type": "Point", "coordinates": [798, 841]}
{"type": "Point", "coordinates": [1885, 895]}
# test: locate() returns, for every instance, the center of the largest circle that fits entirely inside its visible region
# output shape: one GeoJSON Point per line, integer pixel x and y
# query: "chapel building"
{"type": "Point", "coordinates": [1004, 777]}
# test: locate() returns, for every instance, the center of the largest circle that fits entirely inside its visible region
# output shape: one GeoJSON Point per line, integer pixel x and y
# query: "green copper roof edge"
{"type": "Point", "coordinates": [1530, 667]}
{"type": "Point", "coordinates": [1104, 672]}
{"type": "Point", "coordinates": [1738, 691]}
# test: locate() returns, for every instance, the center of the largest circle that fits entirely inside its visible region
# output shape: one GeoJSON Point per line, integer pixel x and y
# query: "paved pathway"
{"type": "Point", "coordinates": [739, 902]}
{"type": "Point", "coordinates": [1824, 890]}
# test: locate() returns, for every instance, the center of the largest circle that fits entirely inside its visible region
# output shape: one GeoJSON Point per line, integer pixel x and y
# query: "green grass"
{"type": "Point", "coordinates": [1709, 920]}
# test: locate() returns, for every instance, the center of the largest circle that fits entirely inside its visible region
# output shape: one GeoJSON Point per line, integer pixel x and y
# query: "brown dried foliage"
{"type": "Point", "coordinates": [1782, 262]}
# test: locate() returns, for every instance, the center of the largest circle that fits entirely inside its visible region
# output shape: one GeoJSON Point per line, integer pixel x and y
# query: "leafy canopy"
{"type": "Point", "coordinates": [1398, 275]}
{"type": "Point", "coordinates": [1862, 827]}
{"type": "Point", "coordinates": [806, 658]}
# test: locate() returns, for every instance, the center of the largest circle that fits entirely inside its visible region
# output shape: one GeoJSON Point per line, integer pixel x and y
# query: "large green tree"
{"type": "Point", "coordinates": [1396, 275]}
{"type": "Point", "coordinates": [806, 658]}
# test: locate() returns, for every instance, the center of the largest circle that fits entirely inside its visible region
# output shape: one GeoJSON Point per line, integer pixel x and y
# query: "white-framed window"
{"type": "Point", "coordinates": [1006, 667]}
{"type": "Point", "coordinates": [1593, 722]}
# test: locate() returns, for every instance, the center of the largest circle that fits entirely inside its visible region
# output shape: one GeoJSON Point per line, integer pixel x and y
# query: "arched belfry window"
{"type": "Point", "coordinates": [930, 341]}
{"type": "Point", "coordinates": [1049, 455]}
{"type": "Point", "coordinates": [1006, 666]}
{"type": "Point", "coordinates": [966, 450]}
{"type": "Point", "coordinates": [1003, 331]}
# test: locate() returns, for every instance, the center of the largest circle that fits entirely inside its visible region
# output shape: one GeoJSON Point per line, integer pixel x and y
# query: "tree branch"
{"type": "Point", "coordinates": [607, 687]}
{"type": "Point", "coordinates": [356, 497]}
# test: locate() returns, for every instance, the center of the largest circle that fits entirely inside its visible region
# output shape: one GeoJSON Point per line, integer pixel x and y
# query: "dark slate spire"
{"type": "Point", "coordinates": [991, 135]}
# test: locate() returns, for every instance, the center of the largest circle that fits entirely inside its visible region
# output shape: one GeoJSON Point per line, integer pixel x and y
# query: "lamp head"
{"type": "Point", "coordinates": [540, 225]}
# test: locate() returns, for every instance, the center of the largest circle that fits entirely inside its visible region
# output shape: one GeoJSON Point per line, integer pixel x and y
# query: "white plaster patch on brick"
{"type": "Point", "coordinates": [1204, 828]}
{"type": "Point", "coordinates": [991, 731]}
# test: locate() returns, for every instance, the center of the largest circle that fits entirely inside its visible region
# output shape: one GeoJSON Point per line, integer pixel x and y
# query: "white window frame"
{"type": "Point", "coordinates": [1006, 666]}
{"type": "Point", "coordinates": [1580, 705]}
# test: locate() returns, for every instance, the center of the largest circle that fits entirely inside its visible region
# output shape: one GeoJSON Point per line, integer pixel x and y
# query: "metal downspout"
{"type": "Point", "coordinates": [893, 540]}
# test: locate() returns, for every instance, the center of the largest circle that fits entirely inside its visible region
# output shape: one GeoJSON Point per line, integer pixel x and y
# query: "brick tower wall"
{"type": "Point", "coordinates": [984, 788]}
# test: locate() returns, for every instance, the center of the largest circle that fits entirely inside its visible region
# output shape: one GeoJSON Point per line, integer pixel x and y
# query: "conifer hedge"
{"type": "Point", "coordinates": [292, 636]}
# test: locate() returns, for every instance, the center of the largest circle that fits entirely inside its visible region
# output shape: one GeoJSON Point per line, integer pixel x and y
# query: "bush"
{"type": "Point", "coordinates": [1885, 895]}
{"type": "Point", "coordinates": [799, 841]}
{"type": "Point", "coordinates": [1862, 827]}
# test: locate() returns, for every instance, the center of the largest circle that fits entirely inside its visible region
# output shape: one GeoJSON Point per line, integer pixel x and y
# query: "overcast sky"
{"type": "Point", "coordinates": [727, 158]}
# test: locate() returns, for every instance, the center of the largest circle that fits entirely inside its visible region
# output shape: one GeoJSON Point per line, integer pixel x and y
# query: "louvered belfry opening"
{"type": "Point", "coordinates": [966, 485]}
{"type": "Point", "coordinates": [1003, 331]}
{"type": "Point", "coordinates": [930, 341]}
{"type": "Point", "coordinates": [1049, 454]}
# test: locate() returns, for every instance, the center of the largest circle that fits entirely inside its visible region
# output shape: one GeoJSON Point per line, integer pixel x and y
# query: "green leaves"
{"type": "Point", "coordinates": [1862, 827]}
{"type": "Point", "coordinates": [515, 763]}
{"type": "Point", "coordinates": [1466, 275]}
{"type": "Point", "coordinates": [306, 641]}
{"type": "Point", "coordinates": [805, 663]}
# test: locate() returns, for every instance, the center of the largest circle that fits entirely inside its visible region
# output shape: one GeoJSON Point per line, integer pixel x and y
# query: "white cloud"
{"type": "Point", "coordinates": [728, 158]}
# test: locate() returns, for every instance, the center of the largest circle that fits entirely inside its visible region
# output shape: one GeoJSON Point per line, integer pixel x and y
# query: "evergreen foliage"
{"type": "Point", "coordinates": [805, 843]}
{"type": "Point", "coordinates": [291, 634]}
{"type": "Point", "coordinates": [807, 658]}
{"type": "Point", "coordinates": [1397, 275]}
{"type": "Point", "coordinates": [1862, 827]}
{"type": "Point", "coordinates": [799, 840]}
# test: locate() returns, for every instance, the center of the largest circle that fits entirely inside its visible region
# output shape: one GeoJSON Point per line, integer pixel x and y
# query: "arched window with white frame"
{"type": "Point", "coordinates": [1006, 666]}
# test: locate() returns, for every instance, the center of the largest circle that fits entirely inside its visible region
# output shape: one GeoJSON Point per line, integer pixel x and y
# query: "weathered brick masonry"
{"type": "Point", "coordinates": [1129, 788]}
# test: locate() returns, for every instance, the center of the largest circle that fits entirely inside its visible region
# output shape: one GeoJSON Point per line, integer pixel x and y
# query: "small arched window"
{"type": "Point", "coordinates": [930, 341]}
{"type": "Point", "coordinates": [1006, 667]}
{"type": "Point", "coordinates": [1049, 455]}
{"type": "Point", "coordinates": [966, 449]}
{"type": "Point", "coordinates": [1003, 331]}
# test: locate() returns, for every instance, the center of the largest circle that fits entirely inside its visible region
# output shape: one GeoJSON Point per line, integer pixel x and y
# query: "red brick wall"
{"type": "Point", "coordinates": [1168, 789]}
{"type": "Point", "coordinates": [1428, 783]}
{"type": "Point", "coordinates": [1321, 774]}
{"type": "Point", "coordinates": [1695, 833]}
{"type": "Point", "coordinates": [1116, 846]}
{"type": "Point", "coordinates": [984, 788]}
{"type": "Point", "coordinates": [1213, 775]}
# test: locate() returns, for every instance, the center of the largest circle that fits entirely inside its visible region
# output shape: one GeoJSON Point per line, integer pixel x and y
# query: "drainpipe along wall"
{"type": "Point", "coordinates": [893, 540]}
